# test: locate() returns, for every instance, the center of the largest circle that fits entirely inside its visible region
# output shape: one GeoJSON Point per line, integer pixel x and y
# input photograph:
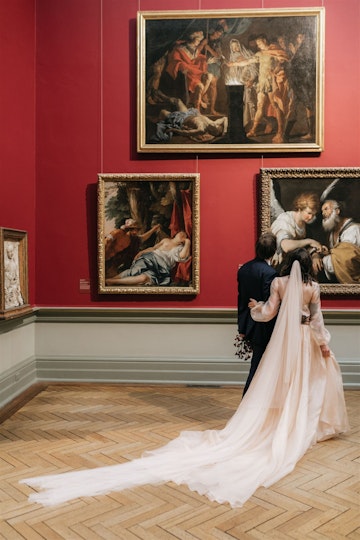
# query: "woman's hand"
{"type": "Point", "coordinates": [252, 303]}
{"type": "Point", "coordinates": [325, 351]}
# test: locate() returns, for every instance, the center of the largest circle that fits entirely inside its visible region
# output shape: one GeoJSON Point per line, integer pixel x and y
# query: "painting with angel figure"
{"type": "Point", "coordinates": [317, 209]}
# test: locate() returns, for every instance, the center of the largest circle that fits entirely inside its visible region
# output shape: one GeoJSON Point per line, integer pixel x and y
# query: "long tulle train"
{"type": "Point", "coordinates": [295, 399]}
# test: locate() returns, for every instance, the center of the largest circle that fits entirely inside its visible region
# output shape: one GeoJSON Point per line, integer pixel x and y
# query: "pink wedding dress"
{"type": "Point", "coordinates": [295, 399]}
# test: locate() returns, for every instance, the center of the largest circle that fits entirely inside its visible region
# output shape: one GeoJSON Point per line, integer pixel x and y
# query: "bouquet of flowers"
{"type": "Point", "coordinates": [243, 348]}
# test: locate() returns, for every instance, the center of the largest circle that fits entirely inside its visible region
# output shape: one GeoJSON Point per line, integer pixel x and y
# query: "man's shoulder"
{"type": "Point", "coordinates": [246, 266]}
{"type": "Point", "coordinates": [256, 265]}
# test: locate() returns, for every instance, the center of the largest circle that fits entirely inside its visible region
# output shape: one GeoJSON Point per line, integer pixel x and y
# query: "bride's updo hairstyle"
{"type": "Point", "coordinates": [304, 258]}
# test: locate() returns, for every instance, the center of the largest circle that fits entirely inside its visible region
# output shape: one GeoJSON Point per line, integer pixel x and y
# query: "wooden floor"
{"type": "Point", "coordinates": [66, 427]}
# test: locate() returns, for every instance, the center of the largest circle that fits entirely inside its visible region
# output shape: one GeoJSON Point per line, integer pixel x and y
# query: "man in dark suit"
{"type": "Point", "coordinates": [254, 280]}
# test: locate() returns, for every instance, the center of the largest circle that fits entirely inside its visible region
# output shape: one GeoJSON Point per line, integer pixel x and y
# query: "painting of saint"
{"type": "Point", "coordinates": [316, 209]}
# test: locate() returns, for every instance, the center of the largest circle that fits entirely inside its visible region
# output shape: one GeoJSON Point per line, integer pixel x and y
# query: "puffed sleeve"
{"type": "Point", "coordinates": [319, 332]}
{"type": "Point", "coordinates": [265, 311]}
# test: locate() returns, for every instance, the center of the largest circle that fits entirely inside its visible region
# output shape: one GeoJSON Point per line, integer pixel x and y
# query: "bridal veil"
{"type": "Point", "coordinates": [295, 399]}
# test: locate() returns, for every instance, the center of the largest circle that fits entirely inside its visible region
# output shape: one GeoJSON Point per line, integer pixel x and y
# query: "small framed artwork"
{"type": "Point", "coordinates": [13, 273]}
{"type": "Point", "coordinates": [317, 209]}
{"type": "Point", "coordinates": [148, 234]}
{"type": "Point", "coordinates": [230, 81]}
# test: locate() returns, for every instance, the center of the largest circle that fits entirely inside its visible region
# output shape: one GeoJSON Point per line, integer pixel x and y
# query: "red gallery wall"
{"type": "Point", "coordinates": [86, 124]}
{"type": "Point", "coordinates": [17, 123]}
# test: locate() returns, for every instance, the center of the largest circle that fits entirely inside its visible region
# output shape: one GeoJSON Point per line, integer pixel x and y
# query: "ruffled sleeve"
{"type": "Point", "coordinates": [265, 311]}
{"type": "Point", "coordinates": [319, 332]}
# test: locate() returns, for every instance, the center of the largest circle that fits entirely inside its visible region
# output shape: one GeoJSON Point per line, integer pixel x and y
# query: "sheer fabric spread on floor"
{"type": "Point", "coordinates": [295, 399]}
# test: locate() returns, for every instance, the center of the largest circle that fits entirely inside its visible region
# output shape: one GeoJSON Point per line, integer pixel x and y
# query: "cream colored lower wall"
{"type": "Point", "coordinates": [345, 342]}
{"type": "Point", "coordinates": [167, 347]}
{"type": "Point", "coordinates": [17, 357]}
{"type": "Point", "coordinates": [186, 341]}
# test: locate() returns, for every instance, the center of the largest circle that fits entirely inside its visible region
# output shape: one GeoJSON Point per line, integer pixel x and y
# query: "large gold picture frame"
{"type": "Point", "coordinates": [279, 189]}
{"type": "Point", "coordinates": [230, 81]}
{"type": "Point", "coordinates": [14, 299]}
{"type": "Point", "coordinates": [148, 234]}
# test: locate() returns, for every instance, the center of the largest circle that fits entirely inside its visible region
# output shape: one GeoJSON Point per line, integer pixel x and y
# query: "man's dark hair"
{"type": "Point", "coordinates": [266, 246]}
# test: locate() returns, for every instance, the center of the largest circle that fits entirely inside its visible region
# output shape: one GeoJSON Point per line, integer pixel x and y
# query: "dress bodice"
{"type": "Point", "coordinates": [310, 311]}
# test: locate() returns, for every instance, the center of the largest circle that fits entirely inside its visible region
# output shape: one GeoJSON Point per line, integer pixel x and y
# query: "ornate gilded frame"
{"type": "Point", "coordinates": [168, 202]}
{"type": "Point", "coordinates": [281, 186]}
{"type": "Point", "coordinates": [14, 295]}
{"type": "Point", "coordinates": [161, 81]}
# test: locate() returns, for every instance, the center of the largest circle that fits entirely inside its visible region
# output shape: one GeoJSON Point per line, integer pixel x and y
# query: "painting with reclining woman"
{"type": "Point", "coordinates": [234, 81]}
{"type": "Point", "coordinates": [148, 233]}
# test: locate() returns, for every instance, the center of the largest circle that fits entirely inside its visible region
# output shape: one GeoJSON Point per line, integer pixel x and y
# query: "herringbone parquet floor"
{"type": "Point", "coordinates": [67, 427]}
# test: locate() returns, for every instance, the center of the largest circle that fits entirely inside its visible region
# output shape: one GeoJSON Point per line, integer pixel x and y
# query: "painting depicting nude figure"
{"type": "Point", "coordinates": [234, 81]}
{"type": "Point", "coordinates": [148, 233]}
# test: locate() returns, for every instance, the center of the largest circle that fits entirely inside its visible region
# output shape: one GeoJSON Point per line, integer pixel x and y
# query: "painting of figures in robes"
{"type": "Point", "coordinates": [148, 233]}
{"type": "Point", "coordinates": [318, 209]}
{"type": "Point", "coordinates": [232, 81]}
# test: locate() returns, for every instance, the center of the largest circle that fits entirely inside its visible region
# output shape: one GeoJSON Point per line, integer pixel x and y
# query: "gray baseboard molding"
{"type": "Point", "coordinates": [222, 371]}
{"type": "Point", "coordinates": [219, 372]}
{"type": "Point", "coordinates": [15, 381]}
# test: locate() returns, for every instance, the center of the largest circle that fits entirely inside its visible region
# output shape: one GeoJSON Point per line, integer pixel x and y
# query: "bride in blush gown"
{"type": "Point", "coordinates": [295, 399]}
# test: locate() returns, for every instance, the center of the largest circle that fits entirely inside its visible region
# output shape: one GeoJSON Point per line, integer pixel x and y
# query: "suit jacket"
{"type": "Point", "coordinates": [254, 280]}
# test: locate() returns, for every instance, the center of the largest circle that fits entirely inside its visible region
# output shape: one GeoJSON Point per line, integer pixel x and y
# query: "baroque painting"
{"type": "Point", "coordinates": [148, 233]}
{"type": "Point", "coordinates": [232, 81]}
{"type": "Point", "coordinates": [317, 207]}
